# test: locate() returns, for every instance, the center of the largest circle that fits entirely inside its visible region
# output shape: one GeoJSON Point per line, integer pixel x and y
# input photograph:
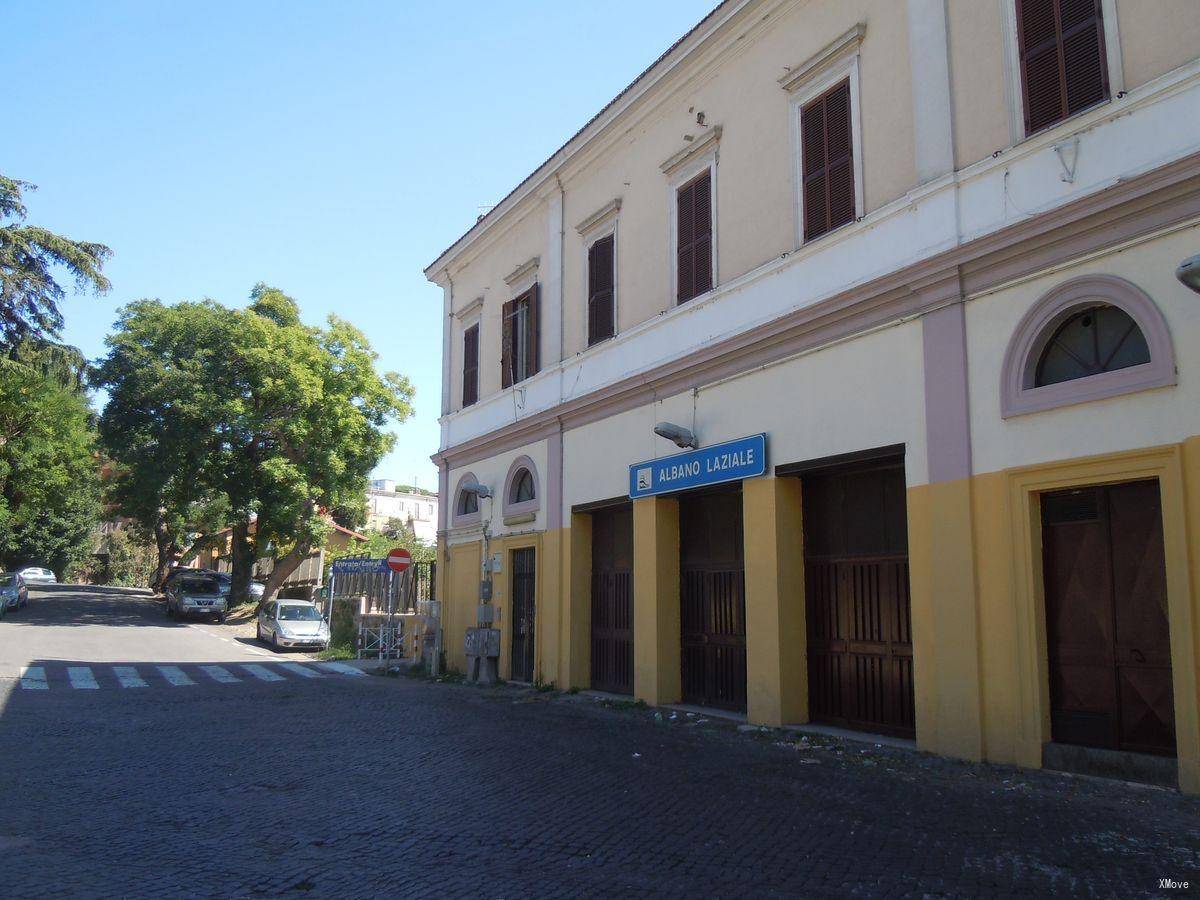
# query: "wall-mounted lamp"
{"type": "Point", "coordinates": [680, 436]}
{"type": "Point", "coordinates": [1188, 273]}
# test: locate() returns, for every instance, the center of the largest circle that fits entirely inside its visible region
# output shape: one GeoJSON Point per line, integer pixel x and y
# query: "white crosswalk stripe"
{"type": "Point", "coordinates": [340, 668]}
{"type": "Point", "coordinates": [175, 675]}
{"type": "Point", "coordinates": [82, 677]}
{"type": "Point", "coordinates": [128, 677]}
{"type": "Point", "coordinates": [33, 678]}
{"type": "Point", "coordinates": [262, 672]}
{"type": "Point", "coordinates": [300, 670]}
{"type": "Point", "coordinates": [216, 673]}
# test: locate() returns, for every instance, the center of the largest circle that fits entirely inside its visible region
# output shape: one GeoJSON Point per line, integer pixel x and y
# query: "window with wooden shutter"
{"type": "Point", "coordinates": [470, 391]}
{"type": "Point", "coordinates": [1064, 69]}
{"type": "Point", "coordinates": [519, 338]}
{"type": "Point", "coordinates": [601, 286]}
{"type": "Point", "coordinates": [827, 154]}
{"type": "Point", "coordinates": [694, 238]}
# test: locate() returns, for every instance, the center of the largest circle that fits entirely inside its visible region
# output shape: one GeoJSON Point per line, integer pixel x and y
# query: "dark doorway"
{"type": "Point", "coordinates": [859, 624]}
{"type": "Point", "coordinates": [1106, 618]}
{"type": "Point", "coordinates": [524, 577]}
{"type": "Point", "coordinates": [712, 600]}
{"type": "Point", "coordinates": [612, 600]}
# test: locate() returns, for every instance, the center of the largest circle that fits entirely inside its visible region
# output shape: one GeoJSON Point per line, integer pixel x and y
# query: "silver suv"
{"type": "Point", "coordinates": [196, 595]}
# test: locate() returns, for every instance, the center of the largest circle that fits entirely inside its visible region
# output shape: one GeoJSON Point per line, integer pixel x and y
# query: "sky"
{"type": "Point", "coordinates": [330, 149]}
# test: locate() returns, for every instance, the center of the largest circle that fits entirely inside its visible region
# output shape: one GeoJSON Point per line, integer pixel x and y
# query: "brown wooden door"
{"type": "Point", "coordinates": [612, 600]}
{"type": "Point", "coordinates": [712, 600]}
{"type": "Point", "coordinates": [1106, 618]}
{"type": "Point", "coordinates": [856, 593]}
{"type": "Point", "coordinates": [524, 577]}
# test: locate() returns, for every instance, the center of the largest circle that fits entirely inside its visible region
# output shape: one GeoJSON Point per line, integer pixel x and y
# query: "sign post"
{"type": "Point", "coordinates": [399, 559]}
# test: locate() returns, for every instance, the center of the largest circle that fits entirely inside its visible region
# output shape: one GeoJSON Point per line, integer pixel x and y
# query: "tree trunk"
{"type": "Point", "coordinates": [243, 565]}
{"type": "Point", "coordinates": [284, 567]}
{"type": "Point", "coordinates": [165, 548]}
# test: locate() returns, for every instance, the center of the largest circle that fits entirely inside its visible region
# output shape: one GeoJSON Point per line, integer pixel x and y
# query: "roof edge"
{"type": "Point", "coordinates": [651, 75]}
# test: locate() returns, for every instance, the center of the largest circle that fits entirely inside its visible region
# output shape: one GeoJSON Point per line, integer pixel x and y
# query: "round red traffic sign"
{"type": "Point", "coordinates": [399, 559]}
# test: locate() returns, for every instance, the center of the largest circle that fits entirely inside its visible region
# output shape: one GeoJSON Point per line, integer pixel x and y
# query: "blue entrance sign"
{"type": "Point", "coordinates": [359, 566]}
{"type": "Point", "coordinates": [732, 461]}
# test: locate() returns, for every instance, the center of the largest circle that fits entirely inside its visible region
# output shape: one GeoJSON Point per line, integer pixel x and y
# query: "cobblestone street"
{"type": "Point", "coordinates": [368, 786]}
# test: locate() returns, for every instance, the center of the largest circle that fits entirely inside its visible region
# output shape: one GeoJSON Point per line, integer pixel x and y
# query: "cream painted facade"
{"type": "Point", "coordinates": [892, 331]}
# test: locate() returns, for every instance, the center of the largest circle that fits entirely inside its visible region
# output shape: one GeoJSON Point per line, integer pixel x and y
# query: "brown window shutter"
{"type": "Point", "coordinates": [827, 148]}
{"type": "Point", "coordinates": [1064, 69]}
{"type": "Point", "coordinates": [533, 322]}
{"type": "Point", "coordinates": [506, 344]}
{"type": "Point", "coordinates": [601, 283]}
{"type": "Point", "coordinates": [694, 238]}
{"type": "Point", "coordinates": [470, 393]}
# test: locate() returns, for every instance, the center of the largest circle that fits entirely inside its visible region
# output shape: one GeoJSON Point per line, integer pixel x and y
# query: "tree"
{"type": "Point", "coordinates": [321, 419]}
{"type": "Point", "coordinates": [160, 425]}
{"type": "Point", "coordinates": [280, 421]}
{"type": "Point", "coordinates": [49, 486]}
{"type": "Point", "coordinates": [29, 294]}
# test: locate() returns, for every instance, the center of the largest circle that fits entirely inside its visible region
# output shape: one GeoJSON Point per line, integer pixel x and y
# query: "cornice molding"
{"type": "Point", "coordinates": [470, 309]}
{"type": "Point", "coordinates": [802, 73]}
{"type": "Point", "coordinates": [1127, 210]}
{"type": "Point", "coordinates": [600, 217]}
{"type": "Point", "coordinates": [523, 271]}
{"type": "Point", "coordinates": [694, 150]}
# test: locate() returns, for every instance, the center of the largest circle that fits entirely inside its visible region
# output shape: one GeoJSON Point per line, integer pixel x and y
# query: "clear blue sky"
{"type": "Point", "coordinates": [331, 149]}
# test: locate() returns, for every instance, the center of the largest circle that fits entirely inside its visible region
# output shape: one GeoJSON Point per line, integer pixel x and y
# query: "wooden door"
{"type": "Point", "coordinates": [1107, 634]}
{"type": "Point", "coordinates": [712, 600]}
{"type": "Point", "coordinates": [524, 577]}
{"type": "Point", "coordinates": [859, 624]}
{"type": "Point", "coordinates": [612, 600]}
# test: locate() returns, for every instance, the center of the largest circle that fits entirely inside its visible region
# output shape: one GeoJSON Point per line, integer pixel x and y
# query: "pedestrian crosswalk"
{"type": "Point", "coordinates": [144, 675]}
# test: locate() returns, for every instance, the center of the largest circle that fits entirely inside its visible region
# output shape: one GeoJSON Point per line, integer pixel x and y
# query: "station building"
{"type": "Point", "coordinates": [903, 273]}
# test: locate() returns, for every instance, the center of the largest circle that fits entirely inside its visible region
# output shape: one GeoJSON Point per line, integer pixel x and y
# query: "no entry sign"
{"type": "Point", "coordinates": [399, 559]}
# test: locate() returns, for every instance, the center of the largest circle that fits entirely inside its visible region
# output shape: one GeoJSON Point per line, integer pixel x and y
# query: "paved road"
{"type": "Point", "coordinates": [336, 785]}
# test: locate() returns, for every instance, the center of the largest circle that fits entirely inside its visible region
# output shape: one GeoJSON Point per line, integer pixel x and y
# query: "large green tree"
{"type": "Point", "coordinates": [29, 293]}
{"type": "Point", "coordinates": [49, 485]}
{"type": "Point", "coordinates": [161, 425]}
{"type": "Point", "coordinates": [282, 421]}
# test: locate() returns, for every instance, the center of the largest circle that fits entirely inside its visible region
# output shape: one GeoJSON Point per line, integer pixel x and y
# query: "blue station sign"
{"type": "Point", "coordinates": [358, 565]}
{"type": "Point", "coordinates": [731, 461]}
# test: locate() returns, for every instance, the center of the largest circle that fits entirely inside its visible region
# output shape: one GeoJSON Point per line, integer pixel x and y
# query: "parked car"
{"type": "Point", "coordinates": [256, 587]}
{"type": "Point", "coordinates": [292, 623]}
{"type": "Point", "coordinates": [37, 575]}
{"type": "Point", "coordinates": [13, 592]}
{"type": "Point", "coordinates": [196, 595]}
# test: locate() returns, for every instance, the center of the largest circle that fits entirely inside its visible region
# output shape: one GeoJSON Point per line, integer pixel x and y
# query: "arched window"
{"type": "Point", "coordinates": [1089, 338]}
{"type": "Point", "coordinates": [521, 496]}
{"type": "Point", "coordinates": [1094, 340]}
{"type": "Point", "coordinates": [522, 488]}
{"type": "Point", "coordinates": [466, 504]}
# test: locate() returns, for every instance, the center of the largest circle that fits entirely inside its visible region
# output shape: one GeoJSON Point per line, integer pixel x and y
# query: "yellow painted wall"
{"type": "Point", "coordinates": [1156, 37]}
{"type": "Point", "coordinates": [776, 664]}
{"type": "Point", "coordinates": [656, 648]}
{"type": "Point", "coordinates": [980, 659]}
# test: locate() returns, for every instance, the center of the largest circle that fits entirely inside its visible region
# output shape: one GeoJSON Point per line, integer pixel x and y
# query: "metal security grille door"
{"type": "Point", "coordinates": [712, 600]}
{"type": "Point", "coordinates": [612, 600]}
{"type": "Point", "coordinates": [1106, 618]}
{"type": "Point", "coordinates": [860, 662]}
{"type": "Point", "coordinates": [524, 576]}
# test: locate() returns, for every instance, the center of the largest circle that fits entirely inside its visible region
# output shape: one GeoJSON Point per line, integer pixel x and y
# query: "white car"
{"type": "Point", "coordinates": [293, 623]}
{"type": "Point", "coordinates": [36, 575]}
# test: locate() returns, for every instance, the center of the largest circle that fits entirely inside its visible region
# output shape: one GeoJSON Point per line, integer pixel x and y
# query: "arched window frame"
{"type": "Point", "coordinates": [526, 508]}
{"type": "Point", "coordinates": [1018, 393]}
{"type": "Point", "coordinates": [457, 519]}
